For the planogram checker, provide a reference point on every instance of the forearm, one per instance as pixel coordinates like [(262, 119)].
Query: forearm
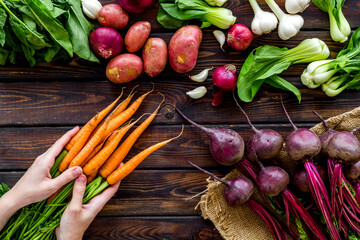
[(9, 204)]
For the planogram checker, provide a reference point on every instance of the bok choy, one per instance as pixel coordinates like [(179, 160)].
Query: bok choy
[(265, 63), (177, 13)]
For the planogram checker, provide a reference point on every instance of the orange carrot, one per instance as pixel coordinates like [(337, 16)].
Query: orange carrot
[(91, 177), (100, 116), (89, 147), (86, 131), (121, 172), (95, 163), (118, 156), (123, 105), (119, 120)]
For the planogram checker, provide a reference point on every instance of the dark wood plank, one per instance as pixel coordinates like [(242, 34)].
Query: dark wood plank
[(209, 55), (149, 192), (20, 146), (161, 228), (74, 103)]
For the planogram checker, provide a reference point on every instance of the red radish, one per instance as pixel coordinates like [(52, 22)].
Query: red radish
[(224, 78), (135, 6), (301, 145), (238, 191), (226, 145), (113, 16), (239, 37), (264, 144), (106, 42)]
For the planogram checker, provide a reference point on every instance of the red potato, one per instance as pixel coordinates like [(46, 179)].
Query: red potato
[(184, 47), (113, 16), (154, 56), (124, 68), (137, 35)]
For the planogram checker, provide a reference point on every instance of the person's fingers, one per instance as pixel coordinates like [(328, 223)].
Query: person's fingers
[(98, 202), (66, 177), (58, 146), (78, 194)]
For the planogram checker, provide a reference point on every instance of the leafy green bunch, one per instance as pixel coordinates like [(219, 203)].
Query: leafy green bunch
[(43, 29)]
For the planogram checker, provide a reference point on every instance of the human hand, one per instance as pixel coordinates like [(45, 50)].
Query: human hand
[(36, 184), (78, 217)]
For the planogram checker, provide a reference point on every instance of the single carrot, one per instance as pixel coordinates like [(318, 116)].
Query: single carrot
[(85, 133), (120, 119), (89, 147), (123, 105), (118, 156), (95, 163), (91, 177), (94, 121), (121, 172)]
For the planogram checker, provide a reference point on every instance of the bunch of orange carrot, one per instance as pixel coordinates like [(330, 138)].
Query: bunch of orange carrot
[(97, 149)]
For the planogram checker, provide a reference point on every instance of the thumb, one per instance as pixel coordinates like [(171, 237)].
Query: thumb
[(67, 176), (78, 193)]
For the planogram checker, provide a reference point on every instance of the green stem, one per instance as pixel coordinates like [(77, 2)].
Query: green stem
[(54, 169)]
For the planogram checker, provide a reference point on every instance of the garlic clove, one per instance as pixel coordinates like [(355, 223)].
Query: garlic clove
[(91, 8), (202, 76), (220, 37), (197, 93)]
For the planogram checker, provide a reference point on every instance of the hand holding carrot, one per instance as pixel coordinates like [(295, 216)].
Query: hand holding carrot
[(36, 184), (77, 217)]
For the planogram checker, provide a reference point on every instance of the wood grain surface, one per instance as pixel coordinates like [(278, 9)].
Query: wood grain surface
[(39, 104)]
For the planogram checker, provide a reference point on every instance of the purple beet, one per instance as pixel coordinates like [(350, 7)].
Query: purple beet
[(273, 180), (226, 145), (352, 172), (300, 180), (302, 145), (263, 144), (237, 190), (344, 147), (327, 135)]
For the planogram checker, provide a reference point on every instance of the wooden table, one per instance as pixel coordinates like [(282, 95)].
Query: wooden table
[(37, 105)]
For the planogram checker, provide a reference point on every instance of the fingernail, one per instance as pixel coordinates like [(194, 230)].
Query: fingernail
[(81, 179), (77, 171)]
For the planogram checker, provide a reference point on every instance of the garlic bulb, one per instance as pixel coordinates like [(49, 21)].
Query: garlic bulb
[(91, 8), (220, 37), (202, 76), (296, 6), (263, 22), (197, 92), (289, 25)]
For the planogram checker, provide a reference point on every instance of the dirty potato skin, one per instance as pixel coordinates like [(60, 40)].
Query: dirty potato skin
[(154, 56), (136, 36), (124, 68), (184, 47)]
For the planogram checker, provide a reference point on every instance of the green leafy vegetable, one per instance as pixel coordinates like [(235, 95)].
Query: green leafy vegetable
[(176, 13), (42, 30), (264, 64), (337, 74), (339, 26)]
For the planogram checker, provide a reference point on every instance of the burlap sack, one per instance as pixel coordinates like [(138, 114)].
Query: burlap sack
[(240, 223)]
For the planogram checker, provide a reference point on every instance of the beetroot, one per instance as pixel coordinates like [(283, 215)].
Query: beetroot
[(300, 180), (353, 171), (344, 147), (301, 145), (226, 145), (263, 144), (239, 37), (273, 180)]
